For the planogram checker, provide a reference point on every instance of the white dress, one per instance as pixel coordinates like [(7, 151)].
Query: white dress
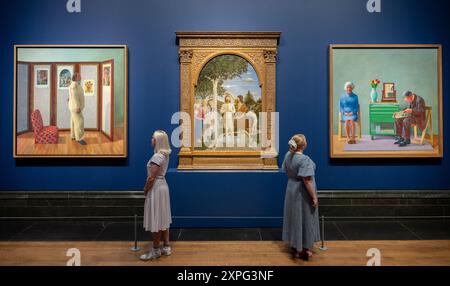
[(157, 215)]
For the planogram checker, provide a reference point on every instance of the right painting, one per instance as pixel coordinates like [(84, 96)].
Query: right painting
[(385, 101)]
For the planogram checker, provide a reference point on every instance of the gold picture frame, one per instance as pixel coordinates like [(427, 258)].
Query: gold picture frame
[(25, 142), (433, 135), (197, 49), (389, 92)]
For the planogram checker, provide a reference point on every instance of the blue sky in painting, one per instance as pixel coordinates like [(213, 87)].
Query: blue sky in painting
[(241, 85)]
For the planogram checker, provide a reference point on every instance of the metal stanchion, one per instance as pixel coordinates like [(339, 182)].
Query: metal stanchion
[(135, 247), (323, 247)]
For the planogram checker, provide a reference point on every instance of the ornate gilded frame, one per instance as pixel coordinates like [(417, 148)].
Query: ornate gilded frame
[(196, 49)]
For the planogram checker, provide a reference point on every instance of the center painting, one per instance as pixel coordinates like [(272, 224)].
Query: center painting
[(228, 91), (228, 100)]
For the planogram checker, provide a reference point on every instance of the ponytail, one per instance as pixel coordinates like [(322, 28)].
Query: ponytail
[(297, 142)]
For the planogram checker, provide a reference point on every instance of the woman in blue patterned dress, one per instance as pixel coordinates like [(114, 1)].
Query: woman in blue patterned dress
[(301, 214)]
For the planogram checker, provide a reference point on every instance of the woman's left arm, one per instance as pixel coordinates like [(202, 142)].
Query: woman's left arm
[(342, 105), (154, 170), (309, 184), (357, 105)]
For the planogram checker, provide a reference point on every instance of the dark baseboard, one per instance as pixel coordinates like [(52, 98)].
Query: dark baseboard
[(385, 203), (121, 205)]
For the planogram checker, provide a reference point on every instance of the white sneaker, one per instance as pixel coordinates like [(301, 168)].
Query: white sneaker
[(151, 255), (166, 250)]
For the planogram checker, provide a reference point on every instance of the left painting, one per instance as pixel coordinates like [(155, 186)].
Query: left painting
[(70, 101)]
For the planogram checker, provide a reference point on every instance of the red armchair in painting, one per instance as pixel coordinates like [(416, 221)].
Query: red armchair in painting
[(43, 134)]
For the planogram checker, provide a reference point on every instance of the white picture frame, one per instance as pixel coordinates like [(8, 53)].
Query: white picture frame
[(64, 77), (89, 87), (42, 77)]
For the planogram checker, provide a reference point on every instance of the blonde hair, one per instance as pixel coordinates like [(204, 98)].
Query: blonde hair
[(162, 142), (300, 141)]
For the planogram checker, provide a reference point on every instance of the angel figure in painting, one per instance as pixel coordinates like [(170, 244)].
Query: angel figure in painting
[(253, 128), (241, 120)]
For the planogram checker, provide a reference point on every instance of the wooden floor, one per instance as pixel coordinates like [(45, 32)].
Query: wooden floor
[(97, 144), (234, 253)]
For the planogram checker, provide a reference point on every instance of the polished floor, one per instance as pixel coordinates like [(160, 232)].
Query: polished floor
[(419, 242), (227, 253)]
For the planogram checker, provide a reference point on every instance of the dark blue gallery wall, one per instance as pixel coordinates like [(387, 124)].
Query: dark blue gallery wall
[(227, 199), (148, 27)]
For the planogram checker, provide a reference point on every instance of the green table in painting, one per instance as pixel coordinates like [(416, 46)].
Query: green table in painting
[(381, 119)]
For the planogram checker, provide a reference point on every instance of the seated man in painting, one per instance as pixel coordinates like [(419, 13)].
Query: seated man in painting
[(415, 115)]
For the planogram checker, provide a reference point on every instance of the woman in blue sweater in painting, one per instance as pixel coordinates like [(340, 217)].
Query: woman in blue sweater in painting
[(349, 107)]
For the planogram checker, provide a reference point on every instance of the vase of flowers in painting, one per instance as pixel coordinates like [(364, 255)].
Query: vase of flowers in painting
[(374, 94)]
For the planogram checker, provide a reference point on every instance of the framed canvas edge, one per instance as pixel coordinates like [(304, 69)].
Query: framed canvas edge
[(383, 154), (124, 155)]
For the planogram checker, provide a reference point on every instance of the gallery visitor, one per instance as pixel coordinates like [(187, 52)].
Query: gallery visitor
[(301, 215), (414, 115), (76, 106), (157, 214), (349, 107)]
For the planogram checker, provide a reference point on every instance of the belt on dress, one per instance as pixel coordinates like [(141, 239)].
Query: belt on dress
[(160, 177)]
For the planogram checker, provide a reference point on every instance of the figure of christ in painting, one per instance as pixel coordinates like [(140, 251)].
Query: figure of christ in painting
[(227, 111)]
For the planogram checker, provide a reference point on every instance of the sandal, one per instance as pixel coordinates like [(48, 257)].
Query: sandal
[(303, 255)]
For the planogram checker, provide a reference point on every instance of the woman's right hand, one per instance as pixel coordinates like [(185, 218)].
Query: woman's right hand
[(146, 189), (315, 202)]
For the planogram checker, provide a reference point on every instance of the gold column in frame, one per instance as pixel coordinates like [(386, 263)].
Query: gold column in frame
[(185, 102)]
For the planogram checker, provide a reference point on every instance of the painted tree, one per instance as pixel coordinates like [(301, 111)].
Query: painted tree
[(249, 99), (252, 104), (218, 70), (204, 88)]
